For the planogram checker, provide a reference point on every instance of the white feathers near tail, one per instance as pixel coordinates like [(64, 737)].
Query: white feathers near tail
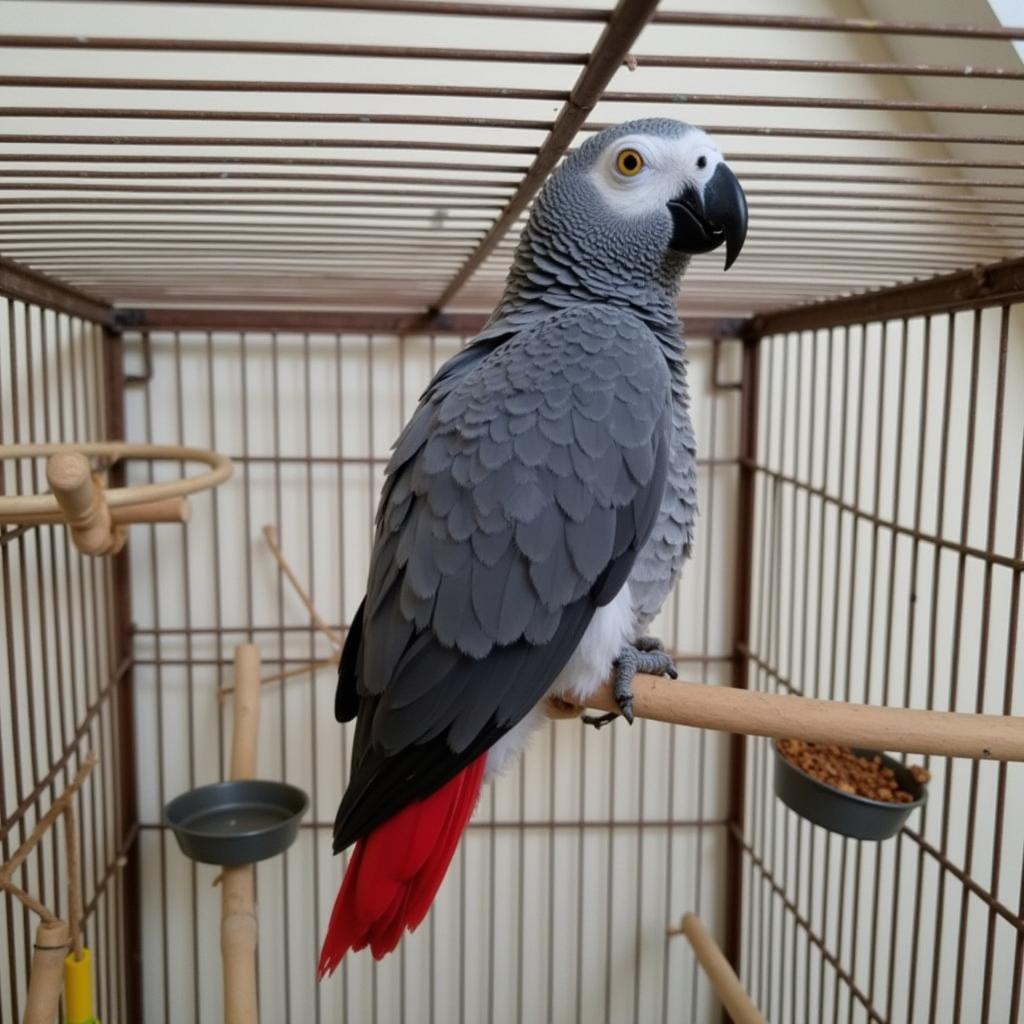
[(611, 628)]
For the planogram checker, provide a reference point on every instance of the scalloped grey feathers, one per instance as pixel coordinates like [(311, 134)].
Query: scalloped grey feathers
[(505, 493), (516, 502)]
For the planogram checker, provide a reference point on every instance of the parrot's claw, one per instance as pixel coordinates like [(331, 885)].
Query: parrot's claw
[(646, 655), (599, 721)]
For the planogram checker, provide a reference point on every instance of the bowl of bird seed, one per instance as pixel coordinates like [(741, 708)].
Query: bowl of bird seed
[(858, 793)]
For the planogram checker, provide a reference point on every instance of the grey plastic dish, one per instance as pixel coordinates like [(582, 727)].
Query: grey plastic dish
[(846, 813), (231, 823)]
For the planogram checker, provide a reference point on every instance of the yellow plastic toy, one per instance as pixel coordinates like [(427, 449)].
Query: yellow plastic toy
[(78, 989)]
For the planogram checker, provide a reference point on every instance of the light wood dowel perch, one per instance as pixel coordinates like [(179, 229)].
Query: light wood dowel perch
[(727, 986), (97, 516), (725, 708), (46, 980), (80, 496), (168, 510), (238, 929)]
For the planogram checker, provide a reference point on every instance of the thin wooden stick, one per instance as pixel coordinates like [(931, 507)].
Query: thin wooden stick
[(723, 978), (238, 927), (335, 638), (74, 878), (56, 810), (28, 901), (46, 976), (270, 535), (946, 733)]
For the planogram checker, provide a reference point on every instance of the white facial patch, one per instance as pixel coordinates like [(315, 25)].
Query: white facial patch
[(669, 166)]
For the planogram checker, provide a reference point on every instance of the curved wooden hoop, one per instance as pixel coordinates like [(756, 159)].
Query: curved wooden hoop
[(120, 497)]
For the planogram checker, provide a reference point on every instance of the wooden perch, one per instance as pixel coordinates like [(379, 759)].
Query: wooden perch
[(46, 976), (168, 510), (730, 709), (727, 709), (97, 516), (238, 927), (723, 978), (80, 496)]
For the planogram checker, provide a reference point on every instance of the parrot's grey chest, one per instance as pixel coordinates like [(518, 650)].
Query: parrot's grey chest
[(658, 564)]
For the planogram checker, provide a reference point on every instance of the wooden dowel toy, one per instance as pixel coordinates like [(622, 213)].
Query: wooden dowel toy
[(238, 932), (42, 1001), (727, 709), (723, 978), (81, 500)]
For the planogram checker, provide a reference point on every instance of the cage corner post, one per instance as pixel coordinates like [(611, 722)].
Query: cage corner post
[(123, 657), (742, 597)]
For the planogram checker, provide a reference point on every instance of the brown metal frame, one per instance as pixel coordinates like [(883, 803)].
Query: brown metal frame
[(127, 806)]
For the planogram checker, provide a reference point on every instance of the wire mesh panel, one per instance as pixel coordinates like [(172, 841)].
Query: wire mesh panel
[(576, 862), (60, 664), (888, 534)]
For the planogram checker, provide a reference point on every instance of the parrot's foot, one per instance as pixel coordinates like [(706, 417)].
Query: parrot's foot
[(648, 643), (645, 655)]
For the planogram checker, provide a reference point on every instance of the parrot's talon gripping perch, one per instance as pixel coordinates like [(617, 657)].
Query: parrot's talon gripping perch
[(646, 654)]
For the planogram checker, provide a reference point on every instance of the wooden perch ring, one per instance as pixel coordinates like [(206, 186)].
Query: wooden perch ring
[(94, 515)]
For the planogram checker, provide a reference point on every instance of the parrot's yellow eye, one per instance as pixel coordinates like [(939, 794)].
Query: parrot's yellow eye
[(629, 163)]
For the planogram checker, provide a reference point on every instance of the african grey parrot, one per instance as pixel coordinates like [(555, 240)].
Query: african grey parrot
[(535, 513)]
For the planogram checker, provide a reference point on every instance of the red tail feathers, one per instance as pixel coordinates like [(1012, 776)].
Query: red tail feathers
[(396, 870)]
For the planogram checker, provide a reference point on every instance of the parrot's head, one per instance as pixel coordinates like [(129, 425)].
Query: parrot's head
[(638, 200)]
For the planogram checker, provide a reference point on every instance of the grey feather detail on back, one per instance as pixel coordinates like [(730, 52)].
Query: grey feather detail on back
[(569, 432), (513, 496)]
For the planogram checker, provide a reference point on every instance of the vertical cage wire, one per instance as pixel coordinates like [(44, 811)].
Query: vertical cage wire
[(60, 662), (888, 533), (635, 818)]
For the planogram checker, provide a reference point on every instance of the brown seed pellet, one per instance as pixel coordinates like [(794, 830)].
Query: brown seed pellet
[(842, 769)]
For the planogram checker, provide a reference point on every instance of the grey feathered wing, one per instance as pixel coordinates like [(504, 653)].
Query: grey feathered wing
[(515, 504)]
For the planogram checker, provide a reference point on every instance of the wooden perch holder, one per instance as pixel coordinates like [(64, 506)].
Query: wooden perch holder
[(80, 496), (238, 927), (95, 516), (727, 986), (728, 709), (46, 979)]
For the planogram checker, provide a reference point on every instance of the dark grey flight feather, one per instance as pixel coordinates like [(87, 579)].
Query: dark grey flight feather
[(516, 502)]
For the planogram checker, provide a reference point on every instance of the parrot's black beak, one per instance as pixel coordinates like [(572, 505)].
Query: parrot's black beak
[(702, 223)]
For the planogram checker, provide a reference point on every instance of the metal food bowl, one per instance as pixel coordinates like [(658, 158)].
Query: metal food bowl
[(229, 823), (846, 813)]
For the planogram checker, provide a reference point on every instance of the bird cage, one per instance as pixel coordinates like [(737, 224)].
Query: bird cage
[(246, 233)]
